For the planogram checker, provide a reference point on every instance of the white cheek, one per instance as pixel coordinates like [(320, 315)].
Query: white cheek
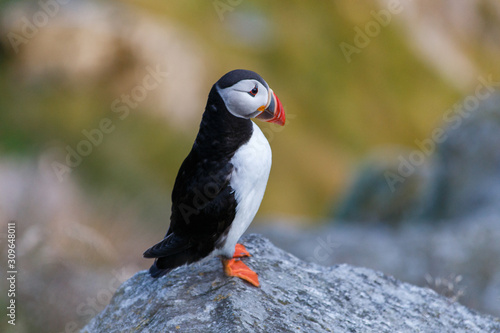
[(240, 103)]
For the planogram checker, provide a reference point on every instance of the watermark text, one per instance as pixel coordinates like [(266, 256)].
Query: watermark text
[(11, 272)]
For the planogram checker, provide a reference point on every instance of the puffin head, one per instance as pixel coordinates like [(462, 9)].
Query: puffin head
[(247, 95)]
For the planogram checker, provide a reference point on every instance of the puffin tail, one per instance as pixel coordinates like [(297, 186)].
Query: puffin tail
[(171, 252), (156, 272)]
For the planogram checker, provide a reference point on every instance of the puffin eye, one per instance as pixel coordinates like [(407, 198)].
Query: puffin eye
[(254, 91)]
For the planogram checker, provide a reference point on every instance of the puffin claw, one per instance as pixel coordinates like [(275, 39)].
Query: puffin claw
[(240, 251), (236, 267)]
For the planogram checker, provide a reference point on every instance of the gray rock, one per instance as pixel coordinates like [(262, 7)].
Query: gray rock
[(375, 197), (294, 296), (460, 260), (443, 200), (443, 178), (466, 179)]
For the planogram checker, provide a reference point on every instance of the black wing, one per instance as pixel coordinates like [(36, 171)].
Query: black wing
[(203, 208), (203, 202)]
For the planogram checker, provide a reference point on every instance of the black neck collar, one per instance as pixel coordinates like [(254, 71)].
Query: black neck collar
[(221, 133)]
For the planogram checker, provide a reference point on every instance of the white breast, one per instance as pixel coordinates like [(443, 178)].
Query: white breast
[(252, 164)]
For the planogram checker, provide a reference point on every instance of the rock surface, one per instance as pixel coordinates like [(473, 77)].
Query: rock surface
[(295, 296), (460, 260), (444, 209)]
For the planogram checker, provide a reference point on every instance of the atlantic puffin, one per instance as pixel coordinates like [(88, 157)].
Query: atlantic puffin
[(221, 183)]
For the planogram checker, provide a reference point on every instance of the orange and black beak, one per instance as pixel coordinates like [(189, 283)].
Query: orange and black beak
[(273, 112)]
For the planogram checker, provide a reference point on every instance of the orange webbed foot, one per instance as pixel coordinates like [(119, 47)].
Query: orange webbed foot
[(236, 267), (240, 251)]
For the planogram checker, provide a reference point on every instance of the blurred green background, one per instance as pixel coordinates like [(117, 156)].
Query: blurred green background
[(64, 64)]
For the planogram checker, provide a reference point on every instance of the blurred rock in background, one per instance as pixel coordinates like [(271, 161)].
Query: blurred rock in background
[(87, 43), (63, 249), (449, 176), (446, 34), (387, 189), (466, 180)]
